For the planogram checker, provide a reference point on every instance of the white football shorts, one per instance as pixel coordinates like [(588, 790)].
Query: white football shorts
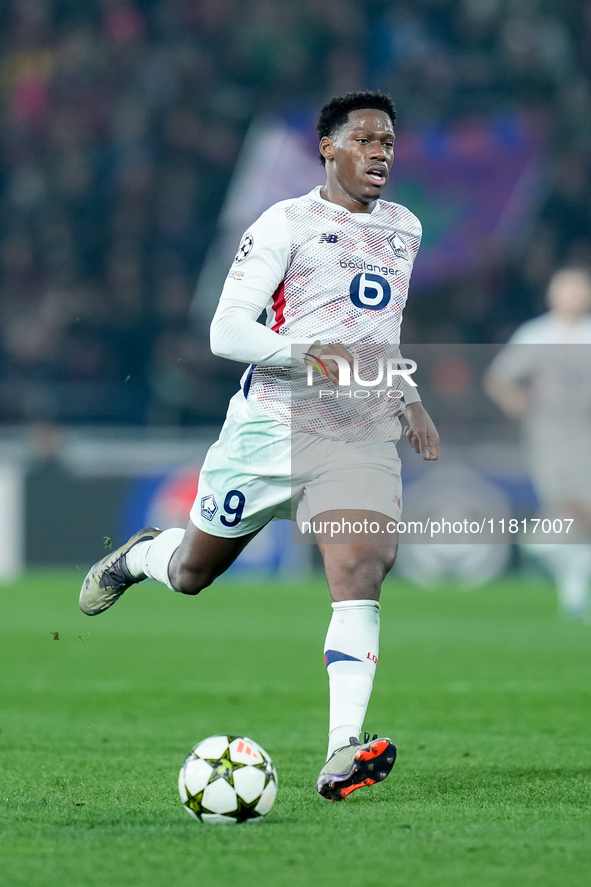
[(259, 470)]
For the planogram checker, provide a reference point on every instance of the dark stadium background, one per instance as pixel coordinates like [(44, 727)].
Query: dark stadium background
[(138, 139), (122, 125)]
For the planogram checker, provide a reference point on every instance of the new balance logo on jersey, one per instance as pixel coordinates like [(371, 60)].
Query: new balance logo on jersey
[(328, 238)]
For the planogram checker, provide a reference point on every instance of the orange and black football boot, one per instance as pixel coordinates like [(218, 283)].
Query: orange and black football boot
[(355, 766)]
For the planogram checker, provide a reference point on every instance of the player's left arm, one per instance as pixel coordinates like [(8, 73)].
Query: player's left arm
[(421, 432)]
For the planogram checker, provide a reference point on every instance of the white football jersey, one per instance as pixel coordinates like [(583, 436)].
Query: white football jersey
[(554, 359), (325, 274), (547, 329)]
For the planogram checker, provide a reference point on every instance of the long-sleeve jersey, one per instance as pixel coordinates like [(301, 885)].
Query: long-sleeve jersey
[(322, 274)]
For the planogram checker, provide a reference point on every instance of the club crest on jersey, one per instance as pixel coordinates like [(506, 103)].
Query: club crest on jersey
[(328, 238), (245, 248), (398, 246), (209, 507)]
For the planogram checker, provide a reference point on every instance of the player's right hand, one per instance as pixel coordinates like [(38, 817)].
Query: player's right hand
[(332, 368)]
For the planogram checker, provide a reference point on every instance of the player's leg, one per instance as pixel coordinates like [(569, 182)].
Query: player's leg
[(572, 573), (235, 500), (574, 580), (192, 565), (561, 478), (351, 504), (184, 560), (354, 571), (570, 566), (201, 558)]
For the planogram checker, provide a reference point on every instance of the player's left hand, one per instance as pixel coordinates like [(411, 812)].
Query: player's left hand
[(421, 432)]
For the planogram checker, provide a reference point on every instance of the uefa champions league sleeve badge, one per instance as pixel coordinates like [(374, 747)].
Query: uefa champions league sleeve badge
[(245, 248)]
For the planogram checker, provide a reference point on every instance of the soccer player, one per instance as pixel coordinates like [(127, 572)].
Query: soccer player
[(331, 269), (543, 375)]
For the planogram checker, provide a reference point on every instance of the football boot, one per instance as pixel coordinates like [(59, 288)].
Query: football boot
[(355, 766), (109, 578)]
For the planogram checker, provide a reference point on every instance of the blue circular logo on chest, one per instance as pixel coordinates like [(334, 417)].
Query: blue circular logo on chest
[(370, 291)]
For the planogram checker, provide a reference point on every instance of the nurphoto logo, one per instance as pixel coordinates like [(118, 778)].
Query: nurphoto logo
[(391, 368)]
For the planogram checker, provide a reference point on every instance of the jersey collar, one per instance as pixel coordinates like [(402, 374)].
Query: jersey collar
[(315, 195)]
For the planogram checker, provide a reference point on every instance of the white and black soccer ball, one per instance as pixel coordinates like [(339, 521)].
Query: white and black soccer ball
[(228, 779)]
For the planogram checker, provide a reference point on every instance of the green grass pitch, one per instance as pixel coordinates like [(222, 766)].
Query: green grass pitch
[(485, 693)]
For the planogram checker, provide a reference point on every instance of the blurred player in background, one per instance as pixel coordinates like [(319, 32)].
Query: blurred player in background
[(330, 267), (543, 378)]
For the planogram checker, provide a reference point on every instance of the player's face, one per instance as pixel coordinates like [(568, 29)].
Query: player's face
[(569, 294), (358, 159)]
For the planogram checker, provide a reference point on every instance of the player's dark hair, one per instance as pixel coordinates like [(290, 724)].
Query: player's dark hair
[(336, 111)]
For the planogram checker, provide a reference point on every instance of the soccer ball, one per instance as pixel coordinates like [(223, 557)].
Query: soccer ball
[(228, 779)]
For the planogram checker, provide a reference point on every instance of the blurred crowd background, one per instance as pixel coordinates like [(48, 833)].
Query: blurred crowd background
[(122, 122)]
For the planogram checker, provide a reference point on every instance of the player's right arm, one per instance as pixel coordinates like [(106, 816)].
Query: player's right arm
[(506, 379), (254, 285)]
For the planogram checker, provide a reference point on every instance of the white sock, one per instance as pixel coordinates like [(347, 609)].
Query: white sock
[(570, 565), (350, 655), (152, 557), (572, 575)]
